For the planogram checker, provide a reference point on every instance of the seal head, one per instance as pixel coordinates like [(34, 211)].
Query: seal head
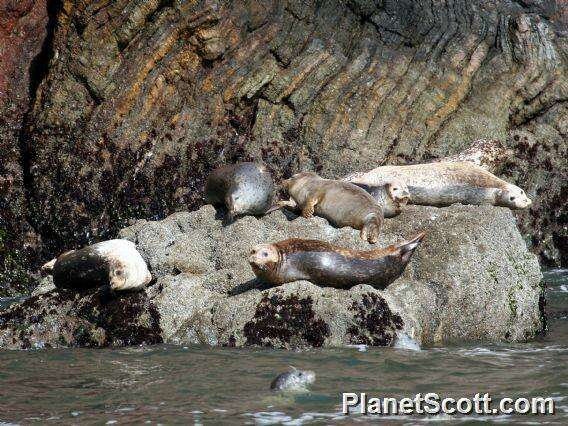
[(293, 380), (391, 196), (513, 197)]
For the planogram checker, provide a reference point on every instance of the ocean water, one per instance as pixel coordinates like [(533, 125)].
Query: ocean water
[(201, 385)]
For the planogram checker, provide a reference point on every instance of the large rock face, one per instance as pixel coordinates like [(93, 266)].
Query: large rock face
[(471, 279), (142, 98), (23, 30)]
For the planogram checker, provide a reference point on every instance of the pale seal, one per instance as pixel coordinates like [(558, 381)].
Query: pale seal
[(341, 203), (243, 188), (113, 263), (444, 183), (327, 265)]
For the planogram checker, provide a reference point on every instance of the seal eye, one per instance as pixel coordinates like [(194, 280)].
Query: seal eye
[(395, 189), (264, 254), (512, 198)]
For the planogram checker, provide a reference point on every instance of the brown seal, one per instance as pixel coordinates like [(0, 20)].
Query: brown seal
[(327, 265), (244, 188), (444, 183), (341, 203)]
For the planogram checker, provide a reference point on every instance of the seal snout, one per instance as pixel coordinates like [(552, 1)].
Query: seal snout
[(262, 254)]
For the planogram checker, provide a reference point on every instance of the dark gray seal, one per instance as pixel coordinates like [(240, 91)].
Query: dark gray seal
[(293, 380), (243, 188)]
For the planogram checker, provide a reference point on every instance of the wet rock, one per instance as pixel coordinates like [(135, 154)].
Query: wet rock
[(472, 279), (92, 319)]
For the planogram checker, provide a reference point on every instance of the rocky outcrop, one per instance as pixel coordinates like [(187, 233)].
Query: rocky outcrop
[(472, 279), (142, 98), (23, 30)]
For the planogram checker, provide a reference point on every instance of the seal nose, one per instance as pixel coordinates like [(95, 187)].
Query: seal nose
[(252, 256)]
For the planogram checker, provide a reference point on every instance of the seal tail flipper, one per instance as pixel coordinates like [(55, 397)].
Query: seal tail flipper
[(47, 268), (408, 247)]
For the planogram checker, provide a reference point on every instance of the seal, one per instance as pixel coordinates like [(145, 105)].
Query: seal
[(391, 196), (486, 153), (327, 265), (341, 203), (293, 379), (113, 263), (243, 188), (444, 183)]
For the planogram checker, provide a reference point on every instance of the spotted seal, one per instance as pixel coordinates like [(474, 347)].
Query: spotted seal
[(391, 196), (293, 379), (444, 183), (243, 188), (327, 265)]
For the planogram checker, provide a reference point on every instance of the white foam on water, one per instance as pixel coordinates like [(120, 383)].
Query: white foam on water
[(360, 348), (404, 341), (482, 352)]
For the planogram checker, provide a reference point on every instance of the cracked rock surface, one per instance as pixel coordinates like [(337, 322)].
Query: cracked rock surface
[(472, 279)]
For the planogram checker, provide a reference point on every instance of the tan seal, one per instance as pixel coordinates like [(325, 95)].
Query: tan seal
[(444, 183), (327, 265), (341, 203)]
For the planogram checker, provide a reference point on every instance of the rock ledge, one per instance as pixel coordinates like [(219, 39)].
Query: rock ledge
[(471, 279)]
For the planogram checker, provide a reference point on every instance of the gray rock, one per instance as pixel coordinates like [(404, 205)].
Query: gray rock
[(471, 279)]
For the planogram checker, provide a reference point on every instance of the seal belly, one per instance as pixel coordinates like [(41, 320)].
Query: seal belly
[(335, 270), (450, 194), (343, 208)]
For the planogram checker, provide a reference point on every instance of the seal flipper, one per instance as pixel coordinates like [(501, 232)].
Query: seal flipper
[(371, 228), (407, 248), (283, 204), (47, 268), (231, 215)]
